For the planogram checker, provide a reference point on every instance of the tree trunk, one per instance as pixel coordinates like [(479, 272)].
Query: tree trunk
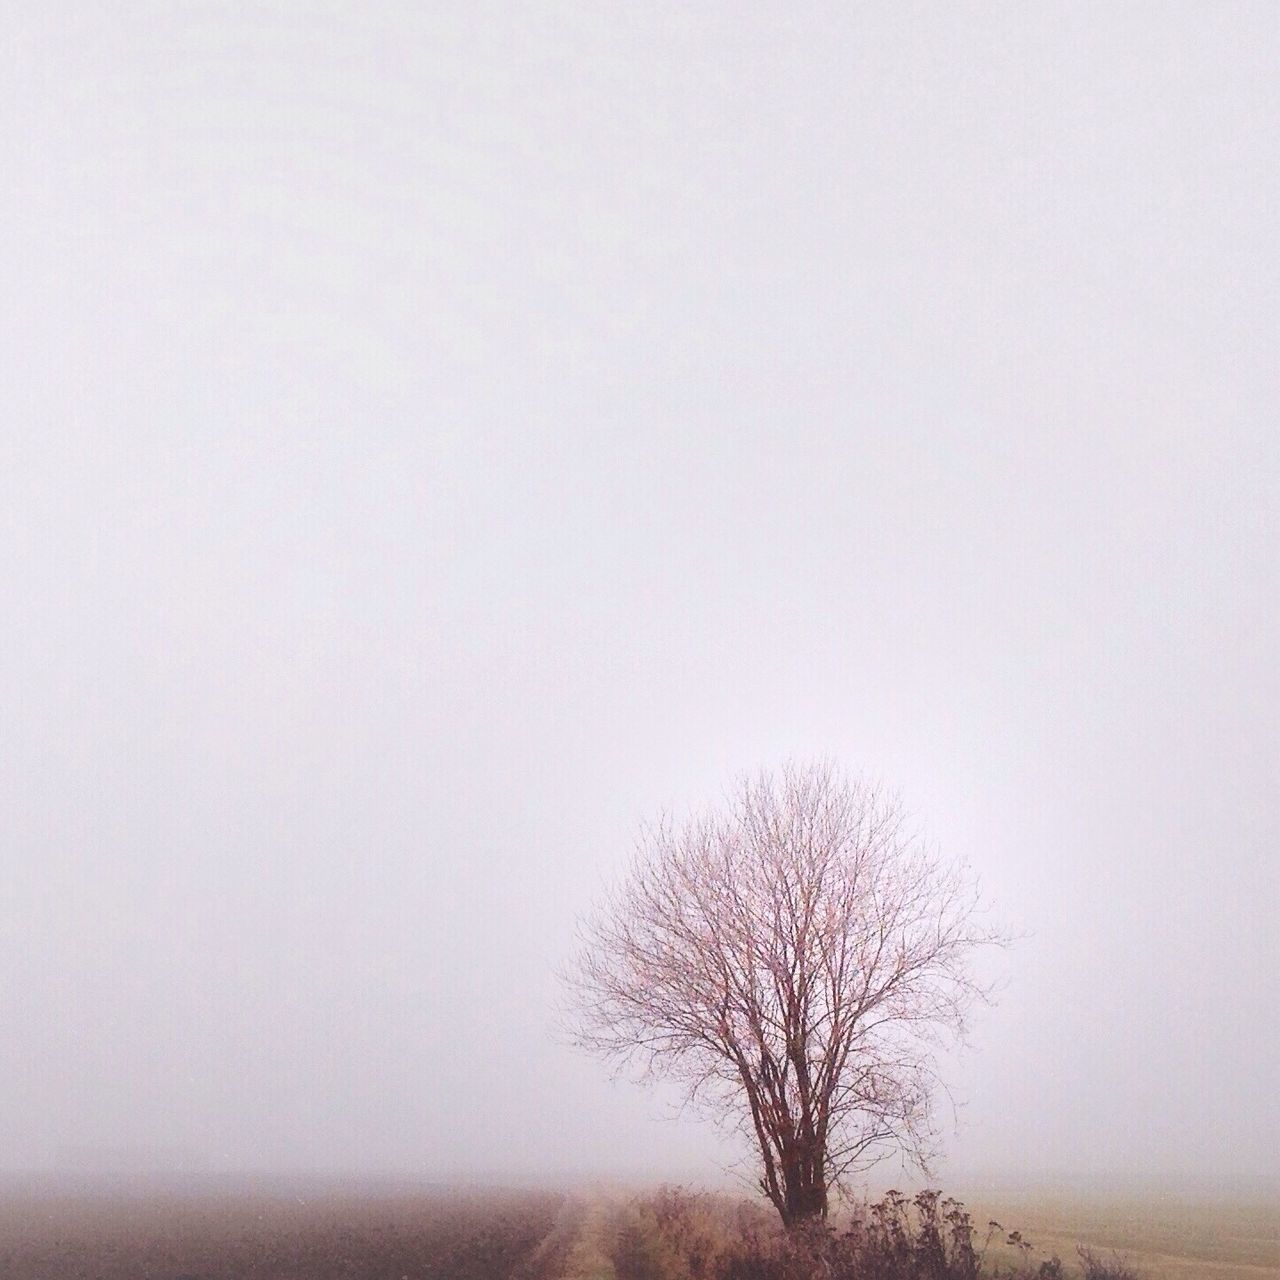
[(806, 1201)]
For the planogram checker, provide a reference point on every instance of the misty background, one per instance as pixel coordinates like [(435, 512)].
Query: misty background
[(434, 439)]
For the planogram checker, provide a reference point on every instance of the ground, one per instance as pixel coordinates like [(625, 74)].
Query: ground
[(1164, 1236), (503, 1235)]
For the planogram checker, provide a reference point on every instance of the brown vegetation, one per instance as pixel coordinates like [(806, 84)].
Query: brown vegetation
[(674, 1235), (422, 1237)]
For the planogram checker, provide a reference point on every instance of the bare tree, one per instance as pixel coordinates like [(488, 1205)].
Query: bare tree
[(796, 960)]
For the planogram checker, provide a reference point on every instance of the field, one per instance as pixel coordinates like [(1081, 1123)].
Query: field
[(439, 1236), (1164, 1237), (268, 1233), (1149, 1236)]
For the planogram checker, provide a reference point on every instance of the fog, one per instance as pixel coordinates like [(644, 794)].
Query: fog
[(437, 438)]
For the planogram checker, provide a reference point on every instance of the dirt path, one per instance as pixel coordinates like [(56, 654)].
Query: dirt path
[(574, 1248), (587, 1258)]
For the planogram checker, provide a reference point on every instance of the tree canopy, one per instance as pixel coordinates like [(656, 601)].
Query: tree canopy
[(796, 958)]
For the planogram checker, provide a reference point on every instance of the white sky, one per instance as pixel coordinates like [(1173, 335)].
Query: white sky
[(434, 438)]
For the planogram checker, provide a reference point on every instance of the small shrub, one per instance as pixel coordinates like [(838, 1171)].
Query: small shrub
[(677, 1236), (1095, 1267)]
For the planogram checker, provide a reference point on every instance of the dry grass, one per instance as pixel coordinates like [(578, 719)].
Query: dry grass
[(1162, 1237), (673, 1236)]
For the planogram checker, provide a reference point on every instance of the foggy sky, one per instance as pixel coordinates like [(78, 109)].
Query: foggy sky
[(436, 438)]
